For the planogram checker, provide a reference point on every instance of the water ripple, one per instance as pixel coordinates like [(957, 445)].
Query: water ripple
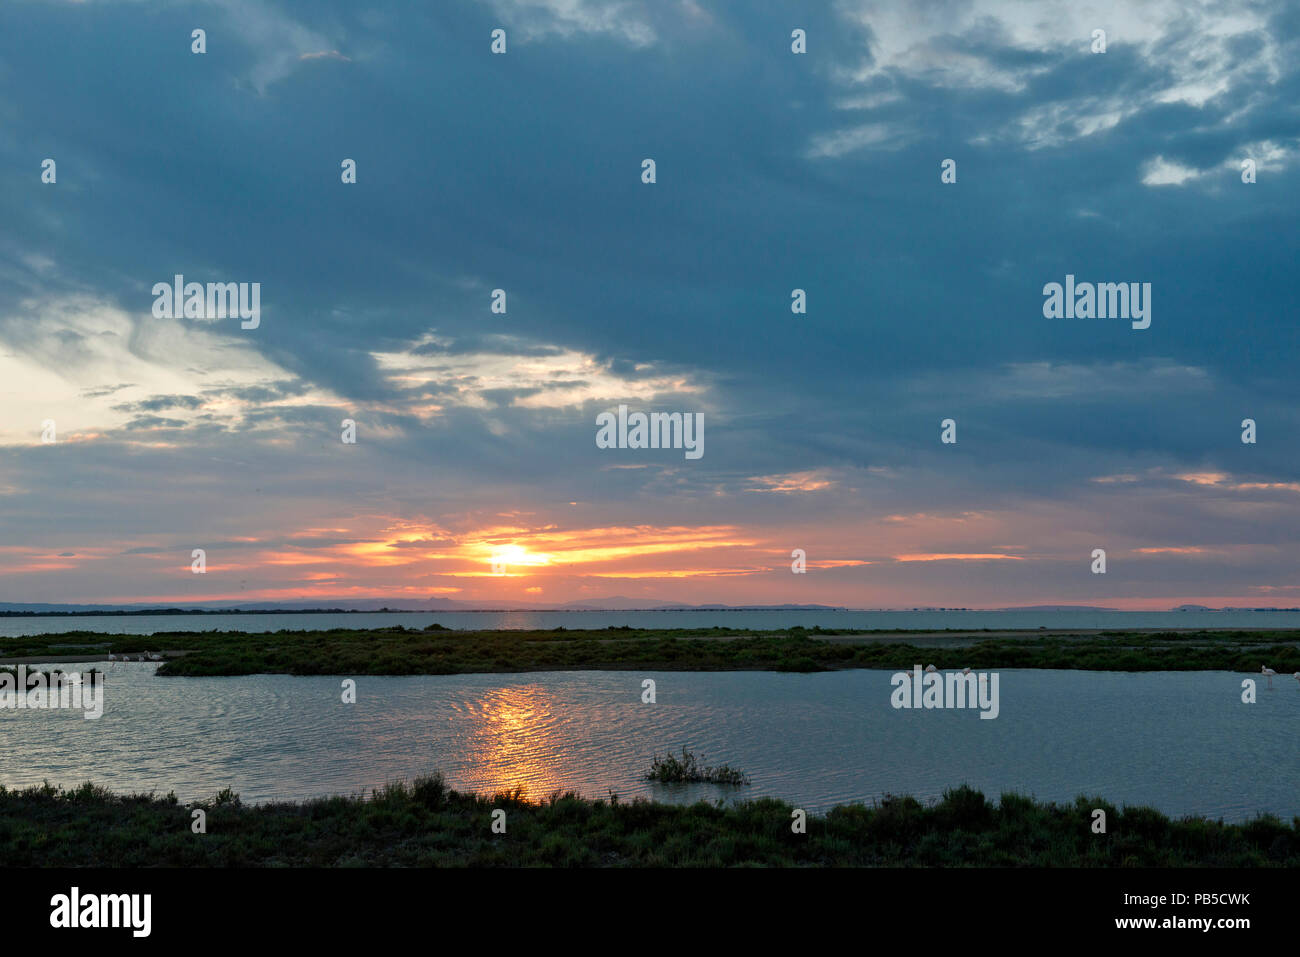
[(1181, 741)]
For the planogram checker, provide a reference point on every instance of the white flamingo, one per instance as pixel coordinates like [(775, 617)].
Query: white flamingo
[(965, 671), (113, 658), (154, 656), (1268, 673), (141, 658), (1296, 676), (930, 669)]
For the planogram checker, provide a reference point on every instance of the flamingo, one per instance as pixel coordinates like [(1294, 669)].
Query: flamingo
[(930, 669), (113, 658), (965, 671), (141, 658), (1268, 673), (154, 656), (1296, 676)]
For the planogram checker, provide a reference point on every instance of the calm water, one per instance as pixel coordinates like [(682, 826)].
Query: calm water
[(149, 624), (1180, 741)]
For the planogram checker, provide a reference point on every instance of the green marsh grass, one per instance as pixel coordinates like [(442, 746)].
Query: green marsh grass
[(428, 824), (437, 650)]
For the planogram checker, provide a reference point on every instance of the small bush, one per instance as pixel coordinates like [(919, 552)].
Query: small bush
[(430, 791), (686, 769)]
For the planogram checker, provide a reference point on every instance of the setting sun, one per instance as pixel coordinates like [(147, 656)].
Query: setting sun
[(515, 555)]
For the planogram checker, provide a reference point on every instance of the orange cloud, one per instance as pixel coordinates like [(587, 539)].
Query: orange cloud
[(812, 481), (971, 557)]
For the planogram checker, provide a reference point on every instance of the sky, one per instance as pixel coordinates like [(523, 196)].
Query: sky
[(476, 431)]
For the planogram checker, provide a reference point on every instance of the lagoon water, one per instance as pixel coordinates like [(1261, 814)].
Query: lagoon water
[(1180, 741), (740, 618)]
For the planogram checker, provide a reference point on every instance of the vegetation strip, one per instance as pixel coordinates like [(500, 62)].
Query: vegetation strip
[(428, 824), (436, 650)]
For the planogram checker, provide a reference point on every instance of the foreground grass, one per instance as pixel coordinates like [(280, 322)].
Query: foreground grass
[(404, 651), (427, 824)]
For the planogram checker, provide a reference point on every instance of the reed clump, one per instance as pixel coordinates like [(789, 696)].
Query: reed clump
[(687, 769)]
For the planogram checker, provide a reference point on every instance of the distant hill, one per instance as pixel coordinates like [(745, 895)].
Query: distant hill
[(614, 603), (611, 603), (1056, 608)]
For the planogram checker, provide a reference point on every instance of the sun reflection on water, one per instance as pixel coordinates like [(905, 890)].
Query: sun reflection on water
[(511, 741)]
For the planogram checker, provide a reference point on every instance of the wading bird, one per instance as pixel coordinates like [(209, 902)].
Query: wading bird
[(930, 669), (1268, 673)]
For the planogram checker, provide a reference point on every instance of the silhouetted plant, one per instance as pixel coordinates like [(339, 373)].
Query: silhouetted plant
[(686, 769)]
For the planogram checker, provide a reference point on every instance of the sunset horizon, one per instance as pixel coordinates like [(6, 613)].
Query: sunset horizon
[(662, 368)]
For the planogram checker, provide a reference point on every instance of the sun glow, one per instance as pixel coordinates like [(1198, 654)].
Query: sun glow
[(512, 555)]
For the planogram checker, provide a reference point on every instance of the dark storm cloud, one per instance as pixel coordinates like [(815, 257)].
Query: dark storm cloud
[(774, 172)]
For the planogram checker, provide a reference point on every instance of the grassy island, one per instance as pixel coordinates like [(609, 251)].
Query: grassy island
[(437, 650)]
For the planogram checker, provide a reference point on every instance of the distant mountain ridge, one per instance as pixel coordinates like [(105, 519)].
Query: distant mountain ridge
[(612, 603)]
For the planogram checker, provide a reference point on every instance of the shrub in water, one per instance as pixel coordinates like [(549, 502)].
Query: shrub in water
[(671, 769)]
